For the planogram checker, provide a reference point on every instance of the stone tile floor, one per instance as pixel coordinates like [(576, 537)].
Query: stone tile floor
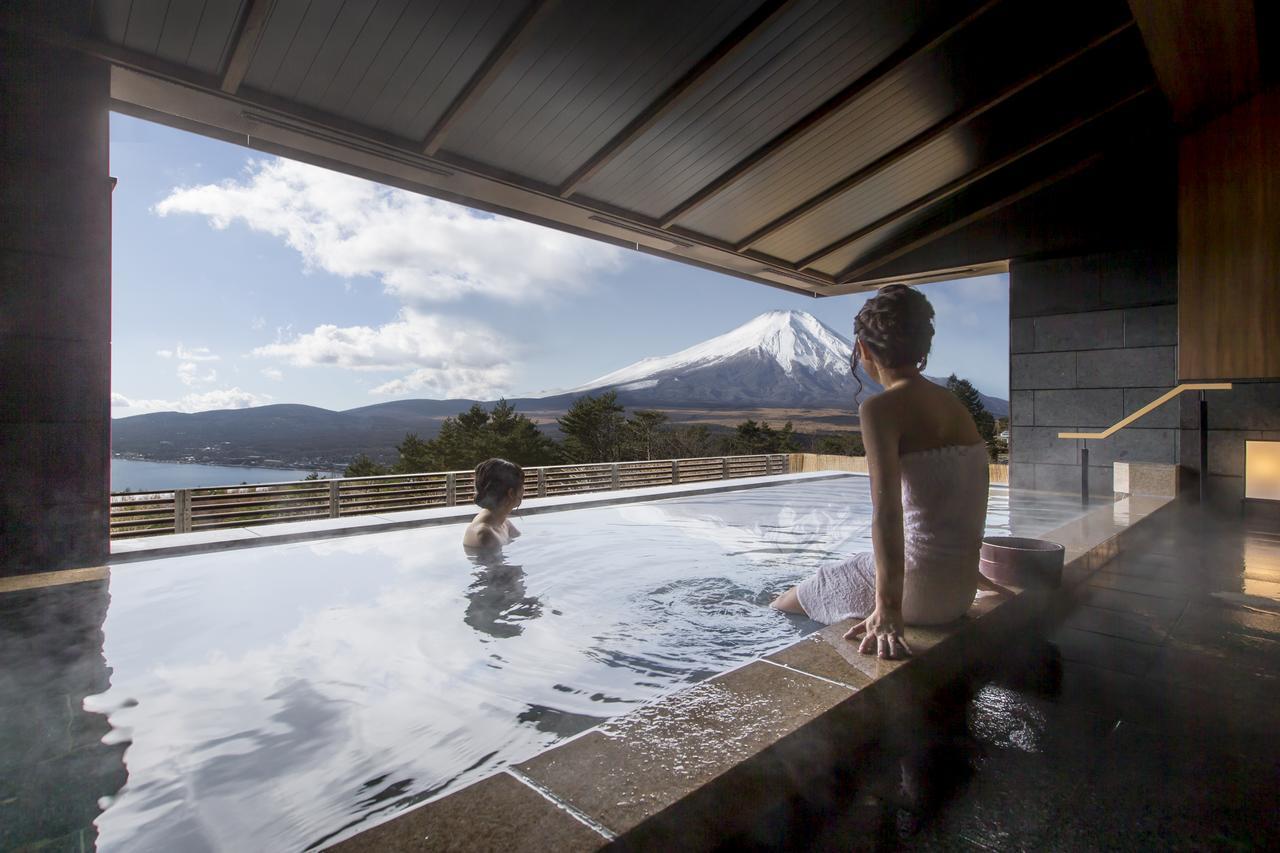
[(1145, 722)]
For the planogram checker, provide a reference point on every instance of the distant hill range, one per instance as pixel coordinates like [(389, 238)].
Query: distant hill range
[(782, 365)]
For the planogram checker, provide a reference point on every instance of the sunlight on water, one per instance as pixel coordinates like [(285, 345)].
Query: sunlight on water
[(284, 696)]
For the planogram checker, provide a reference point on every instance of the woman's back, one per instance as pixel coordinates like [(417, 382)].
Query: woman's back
[(928, 416), (943, 467)]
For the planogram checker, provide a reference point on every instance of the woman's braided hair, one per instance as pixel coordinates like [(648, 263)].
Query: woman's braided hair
[(897, 325)]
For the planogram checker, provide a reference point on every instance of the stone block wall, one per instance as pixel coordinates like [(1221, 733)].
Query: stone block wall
[(1092, 339), (55, 307), (1250, 411)]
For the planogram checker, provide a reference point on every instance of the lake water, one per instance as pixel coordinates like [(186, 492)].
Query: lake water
[(147, 476)]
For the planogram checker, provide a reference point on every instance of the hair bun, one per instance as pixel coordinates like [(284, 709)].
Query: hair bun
[(897, 325)]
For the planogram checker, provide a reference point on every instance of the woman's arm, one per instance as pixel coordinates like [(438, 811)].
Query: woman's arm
[(884, 628)]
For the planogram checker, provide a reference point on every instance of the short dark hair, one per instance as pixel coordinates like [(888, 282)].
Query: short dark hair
[(494, 478)]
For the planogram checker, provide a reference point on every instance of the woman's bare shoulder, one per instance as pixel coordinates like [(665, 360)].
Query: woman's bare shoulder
[(480, 534), (880, 403)]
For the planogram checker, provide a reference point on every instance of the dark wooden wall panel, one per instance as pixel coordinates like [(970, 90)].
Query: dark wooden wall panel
[(1229, 245), (1204, 52)]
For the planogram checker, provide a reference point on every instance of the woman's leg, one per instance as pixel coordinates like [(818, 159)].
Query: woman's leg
[(789, 602)]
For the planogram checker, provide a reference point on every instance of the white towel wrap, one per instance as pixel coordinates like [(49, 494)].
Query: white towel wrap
[(944, 506)]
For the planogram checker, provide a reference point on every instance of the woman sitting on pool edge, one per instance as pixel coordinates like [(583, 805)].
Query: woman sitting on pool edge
[(499, 490), (928, 467)]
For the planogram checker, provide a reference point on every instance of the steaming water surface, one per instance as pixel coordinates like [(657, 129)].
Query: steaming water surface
[(280, 697)]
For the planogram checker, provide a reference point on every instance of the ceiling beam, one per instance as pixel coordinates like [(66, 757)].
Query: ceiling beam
[(918, 45), (498, 59), (741, 37), (245, 43), (853, 274), (920, 141), (366, 141), (967, 180)]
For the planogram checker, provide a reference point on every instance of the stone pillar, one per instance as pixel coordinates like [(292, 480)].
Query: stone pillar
[(55, 308)]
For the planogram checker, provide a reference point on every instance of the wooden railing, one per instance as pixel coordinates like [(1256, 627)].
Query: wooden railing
[(187, 510), (801, 462)]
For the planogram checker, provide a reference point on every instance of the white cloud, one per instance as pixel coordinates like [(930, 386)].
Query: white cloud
[(258, 323), (272, 373), (194, 354), (446, 357), (220, 398), (420, 248), (189, 374), (444, 384)]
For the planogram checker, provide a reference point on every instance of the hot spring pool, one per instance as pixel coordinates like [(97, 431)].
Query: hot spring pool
[(285, 697)]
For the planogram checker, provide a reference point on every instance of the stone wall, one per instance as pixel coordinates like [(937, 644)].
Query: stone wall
[(55, 308), (1092, 339), (1249, 411)]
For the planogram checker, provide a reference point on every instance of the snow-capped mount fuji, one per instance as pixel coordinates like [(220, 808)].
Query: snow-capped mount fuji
[(781, 365), (780, 359)]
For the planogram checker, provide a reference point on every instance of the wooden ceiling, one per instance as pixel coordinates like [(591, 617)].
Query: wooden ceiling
[(800, 143)]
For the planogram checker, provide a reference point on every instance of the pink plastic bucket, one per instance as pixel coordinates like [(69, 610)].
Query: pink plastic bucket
[(1028, 563)]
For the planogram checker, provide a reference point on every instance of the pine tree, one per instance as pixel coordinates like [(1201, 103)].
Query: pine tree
[(967, 394), (363, 466), (474, 436), (751, 438), (416, 455), (843, 444), (687, 442), (644, 434), (972, 400), (594, 429), (515, 437)]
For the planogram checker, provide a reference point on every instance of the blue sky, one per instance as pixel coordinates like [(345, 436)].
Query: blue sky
[(243, 279)]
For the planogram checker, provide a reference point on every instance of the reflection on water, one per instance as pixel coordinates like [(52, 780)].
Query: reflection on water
[(496, 600), (286, 696), (58, 762)]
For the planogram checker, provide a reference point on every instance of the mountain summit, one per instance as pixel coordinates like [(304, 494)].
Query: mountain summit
[(780, 358), (786, 359), (793, 340)]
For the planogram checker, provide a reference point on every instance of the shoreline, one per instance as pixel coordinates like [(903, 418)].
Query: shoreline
[(309, 468)]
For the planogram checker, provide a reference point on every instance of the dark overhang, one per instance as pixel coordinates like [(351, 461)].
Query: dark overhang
[(808, 144)]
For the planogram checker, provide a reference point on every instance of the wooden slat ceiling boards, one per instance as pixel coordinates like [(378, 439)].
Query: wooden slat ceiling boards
[(804, 144)]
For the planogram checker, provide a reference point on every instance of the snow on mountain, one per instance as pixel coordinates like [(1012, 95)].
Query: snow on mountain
[(778, 359), (792, 339)]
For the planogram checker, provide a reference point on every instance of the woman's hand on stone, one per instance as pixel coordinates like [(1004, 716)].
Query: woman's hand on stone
[(883, 634)]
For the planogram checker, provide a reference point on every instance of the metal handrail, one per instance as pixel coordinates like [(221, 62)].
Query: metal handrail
[(1147, 409)]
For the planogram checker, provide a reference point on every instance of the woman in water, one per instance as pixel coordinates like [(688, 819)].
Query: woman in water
[(928, 467), (499, 490)]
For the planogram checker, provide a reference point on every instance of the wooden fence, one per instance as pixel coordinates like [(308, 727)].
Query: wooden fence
[(186, 510), (800, 462)]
